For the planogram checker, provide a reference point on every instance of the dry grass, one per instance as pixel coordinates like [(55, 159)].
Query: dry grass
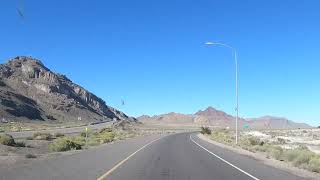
[(300, 156)]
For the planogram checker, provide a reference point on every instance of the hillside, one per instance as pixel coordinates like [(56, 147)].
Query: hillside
[(29, 91)]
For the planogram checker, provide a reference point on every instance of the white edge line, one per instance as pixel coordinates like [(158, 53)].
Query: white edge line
[(224, 160)]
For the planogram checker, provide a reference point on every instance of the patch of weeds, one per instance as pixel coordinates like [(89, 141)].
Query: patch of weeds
[(57, 135), (107, 129), (42, 136), (281, 141), (276, 152), (88, 133), (64, 144), (223, 136), (29, 138), (106, 137), (7, 140), (205, 130), (20, 144), (255, 141), (314, 165), (30, 156)]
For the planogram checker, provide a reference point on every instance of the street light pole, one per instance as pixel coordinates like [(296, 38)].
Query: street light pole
[(237, 85)]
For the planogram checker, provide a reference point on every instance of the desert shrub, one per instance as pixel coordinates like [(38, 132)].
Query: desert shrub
[(281, 140), (255, 141), (107, 129), (299, 156), (106, 137), (314, 164), (64, 144), (205, 130), (263, 148), (57, 135), (78, 139), (276, 152), (42, 136), (304, 156), (29, 138), (90, 132), (222, 135), (30, 156), (20, 144), (291, 154), (7, 140)]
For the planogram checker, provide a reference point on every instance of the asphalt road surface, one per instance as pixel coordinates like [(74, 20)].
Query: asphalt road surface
[(174, 157)]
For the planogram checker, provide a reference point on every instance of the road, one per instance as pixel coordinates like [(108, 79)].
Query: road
[(71, 130), (174, 157)]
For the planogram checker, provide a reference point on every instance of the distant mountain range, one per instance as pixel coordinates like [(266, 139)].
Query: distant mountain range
[(30, 92), (217, 118)]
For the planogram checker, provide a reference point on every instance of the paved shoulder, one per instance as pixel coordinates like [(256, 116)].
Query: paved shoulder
[(244, 163), (85, 165)]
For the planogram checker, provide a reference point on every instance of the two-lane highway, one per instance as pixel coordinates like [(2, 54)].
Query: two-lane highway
[(186, 157), (174, 157)]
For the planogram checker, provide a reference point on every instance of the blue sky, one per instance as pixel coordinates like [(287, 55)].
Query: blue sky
[(151, 53)]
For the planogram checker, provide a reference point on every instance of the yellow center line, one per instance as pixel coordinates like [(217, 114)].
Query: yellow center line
[(126, 159)]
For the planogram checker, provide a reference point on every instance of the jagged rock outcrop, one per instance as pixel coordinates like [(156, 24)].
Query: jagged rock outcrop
[(28, 87)]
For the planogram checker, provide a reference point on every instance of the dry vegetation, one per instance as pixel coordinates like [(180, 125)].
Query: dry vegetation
[(291, 146), (18, 126), (42, 144)]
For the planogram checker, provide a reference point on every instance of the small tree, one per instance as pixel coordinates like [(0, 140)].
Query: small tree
[(205, 130)]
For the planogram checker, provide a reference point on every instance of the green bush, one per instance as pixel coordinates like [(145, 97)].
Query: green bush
[(30, 156), (255, 141), (314, 164), (64, 144), (7, 140), (303, 157), (106, 137), (107, 129), (57, 135), (89, 133), (291, 154), (79, 140), (42, 136), (222, 135), (281, 141), (29, 138), (263, 148), (205, 130), (20, 144), (276, 152)]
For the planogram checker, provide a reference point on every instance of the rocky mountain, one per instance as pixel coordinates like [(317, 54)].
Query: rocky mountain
[(29, 91), (217, 118), (170, 118), (273, 122)]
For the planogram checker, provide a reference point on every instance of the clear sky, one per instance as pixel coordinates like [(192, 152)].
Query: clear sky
[(151, 53)]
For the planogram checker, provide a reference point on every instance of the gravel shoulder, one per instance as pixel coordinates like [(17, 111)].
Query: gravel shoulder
[(261, 157)]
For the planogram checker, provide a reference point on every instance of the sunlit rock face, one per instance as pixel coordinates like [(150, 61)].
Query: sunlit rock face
[(53, 95)]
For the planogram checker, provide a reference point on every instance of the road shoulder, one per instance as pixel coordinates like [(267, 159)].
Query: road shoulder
[(260, 157)]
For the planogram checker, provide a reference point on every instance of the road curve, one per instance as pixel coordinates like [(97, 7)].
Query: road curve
[(173, 157), (177, 157)]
